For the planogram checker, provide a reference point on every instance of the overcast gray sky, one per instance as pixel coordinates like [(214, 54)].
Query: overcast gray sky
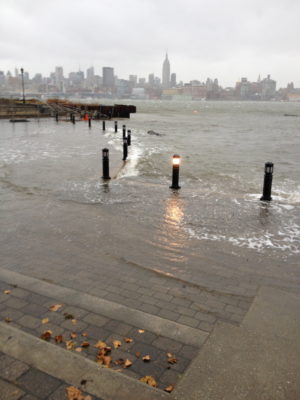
[(205, 38)]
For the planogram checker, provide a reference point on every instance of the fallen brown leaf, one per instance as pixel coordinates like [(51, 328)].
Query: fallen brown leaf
[(85, 344), (7, 319), (7, 292), (146, 358), (74, 321), (149, 380), (128, 340), (70, 344), (55, 307), (46, 335), (169, 388), (78, 349), (117, 344), (74, 393), (100, 345), (141, 331), (58, 338), (138, 354), (105, 360), (73, 335), (84, 334), (170, 355), (172, 360), (45, 320), (127, 363)]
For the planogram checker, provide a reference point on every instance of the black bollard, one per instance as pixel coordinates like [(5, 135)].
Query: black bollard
[(90, 123), (116, 126), (129, 137), (124, 131), (125, 148), (71, 117), (105, 164), (56, 117), (175, 175), (103, 125), (269, 166)]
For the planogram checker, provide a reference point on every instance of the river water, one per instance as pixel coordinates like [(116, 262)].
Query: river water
[(216, 218)]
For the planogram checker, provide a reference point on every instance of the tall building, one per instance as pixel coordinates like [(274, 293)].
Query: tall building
[(173, 79), (59, 75), (108, 76), (166, 73)]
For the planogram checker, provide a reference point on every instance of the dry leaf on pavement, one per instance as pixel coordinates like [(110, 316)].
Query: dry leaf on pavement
[(74, 321), (138, 354), (74, 393), (146, 358), (45, 320), (100, 345), (141, 331), (149, 380), (105, 360), (84, 334), (128, 340), (7, 292), (170, 355), (172, 360), (46, 335), (127, 363), (78, 349), (7, 319), (85, 344), (117, 344), (169, 388), (73, 335), (70, 344), (55, 307), (58, 338)]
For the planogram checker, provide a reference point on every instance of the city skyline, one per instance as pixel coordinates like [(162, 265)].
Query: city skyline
[(203, 38)]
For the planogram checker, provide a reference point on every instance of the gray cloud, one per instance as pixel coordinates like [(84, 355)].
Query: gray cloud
[(225, 39)]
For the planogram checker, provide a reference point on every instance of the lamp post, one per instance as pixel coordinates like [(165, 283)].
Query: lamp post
[(105, 163), (175, 174), (23, 90), (269, 167)]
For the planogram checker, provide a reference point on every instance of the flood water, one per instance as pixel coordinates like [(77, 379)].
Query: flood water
[(215, 222)]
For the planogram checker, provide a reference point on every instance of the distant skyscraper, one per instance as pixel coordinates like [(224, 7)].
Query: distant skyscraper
[(151, 80), (173, 79), (166, 73), (108, 76)]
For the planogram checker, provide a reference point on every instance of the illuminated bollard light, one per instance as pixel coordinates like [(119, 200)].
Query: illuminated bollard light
[(269, 167), (90, 123), (129, 137), (175, 174), (103, 125), (105, 163), (116, 126), (125, 148), (124, 131)]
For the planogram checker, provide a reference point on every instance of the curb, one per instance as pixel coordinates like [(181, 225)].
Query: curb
[(72, 368), (140, 319)]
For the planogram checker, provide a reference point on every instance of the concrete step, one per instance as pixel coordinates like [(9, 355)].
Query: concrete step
[(257, 361)]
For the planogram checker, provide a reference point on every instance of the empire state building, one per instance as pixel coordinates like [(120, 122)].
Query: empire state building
[(166, 73)]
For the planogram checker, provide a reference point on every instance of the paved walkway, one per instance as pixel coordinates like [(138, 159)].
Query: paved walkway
[(19, 381)]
